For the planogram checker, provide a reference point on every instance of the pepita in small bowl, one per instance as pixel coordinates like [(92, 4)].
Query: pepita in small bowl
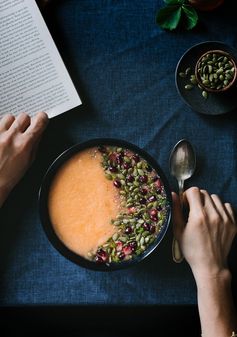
[(105, 204), (216, 71)]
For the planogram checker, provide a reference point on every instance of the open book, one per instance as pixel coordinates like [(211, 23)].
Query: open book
[(33, 76)]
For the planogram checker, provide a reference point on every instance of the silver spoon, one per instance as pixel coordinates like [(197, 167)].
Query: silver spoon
[(182, 166)]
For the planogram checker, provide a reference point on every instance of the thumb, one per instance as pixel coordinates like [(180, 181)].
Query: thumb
[(178, 219)]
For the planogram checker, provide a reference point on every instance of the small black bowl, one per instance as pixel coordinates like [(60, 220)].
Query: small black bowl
[(44, 213)]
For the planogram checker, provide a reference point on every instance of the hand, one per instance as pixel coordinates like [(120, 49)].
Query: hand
[(206, 238), (19, 139)]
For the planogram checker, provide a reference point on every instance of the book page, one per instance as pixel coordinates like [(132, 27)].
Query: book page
[(33, 76)]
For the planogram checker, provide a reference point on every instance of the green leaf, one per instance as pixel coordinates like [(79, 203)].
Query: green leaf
[(191, 17), (174, 2), (169, 17)]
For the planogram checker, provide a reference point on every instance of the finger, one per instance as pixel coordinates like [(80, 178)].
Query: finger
[(230, 212), (6, 122), (214, 213), (193, 198), (220, 207), (178, 220), (37, 126), (208, 203), (21, 123)]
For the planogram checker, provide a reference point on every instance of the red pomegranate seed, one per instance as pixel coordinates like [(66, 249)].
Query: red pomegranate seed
[(146, 226), (128, 230), (99, 259), (119, 246), (113, 169), (158, 183), (142, 201), (102, 254), (127, 250), (117, 183), (152, 229), (152, 198), (144, 191), (130, 178), (133, 245), (126, 166), (131, 210), (121, 255), (143, 179), (153, 212), (119, 158), (112, 158)]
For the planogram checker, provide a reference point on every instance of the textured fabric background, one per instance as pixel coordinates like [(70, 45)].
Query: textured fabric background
[(123, 66)]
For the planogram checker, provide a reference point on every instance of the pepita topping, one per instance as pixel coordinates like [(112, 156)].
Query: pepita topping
[(143, 205), (192, 82), (216, 71)]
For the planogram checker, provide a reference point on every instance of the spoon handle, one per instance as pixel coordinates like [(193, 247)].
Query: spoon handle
[(181, 191), (176, 251)]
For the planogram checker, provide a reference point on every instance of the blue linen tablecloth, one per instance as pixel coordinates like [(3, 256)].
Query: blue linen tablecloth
[(123, 67)]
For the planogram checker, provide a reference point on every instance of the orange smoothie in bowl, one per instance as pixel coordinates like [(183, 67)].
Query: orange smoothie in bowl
[(105, 206), (82, 203)]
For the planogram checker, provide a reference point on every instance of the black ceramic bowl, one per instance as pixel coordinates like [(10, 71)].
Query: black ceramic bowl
[(44, 212)]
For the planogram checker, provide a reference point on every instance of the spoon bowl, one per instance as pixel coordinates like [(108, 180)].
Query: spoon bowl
[(182, 166), (182, 160)]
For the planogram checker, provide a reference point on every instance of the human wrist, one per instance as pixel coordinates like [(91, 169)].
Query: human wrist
[(215, 303), (205, 279)]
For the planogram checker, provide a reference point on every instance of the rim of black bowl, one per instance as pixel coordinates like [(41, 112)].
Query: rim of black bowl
[(45, 218)]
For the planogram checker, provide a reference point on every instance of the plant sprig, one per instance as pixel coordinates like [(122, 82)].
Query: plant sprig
[(175, 11)]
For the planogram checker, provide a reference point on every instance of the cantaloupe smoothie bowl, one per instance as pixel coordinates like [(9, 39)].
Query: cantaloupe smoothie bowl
[(105, 204)]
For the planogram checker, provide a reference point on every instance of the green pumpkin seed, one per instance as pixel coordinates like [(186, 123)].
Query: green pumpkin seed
[(140, 172), (115, 236), (187, 71), (139, 165), (193, 81), (220, 71), (138, 237), (188, 86), (206, 82), (204, 94), (181, 74), (228, 76), (142, 240), (123, 239)]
